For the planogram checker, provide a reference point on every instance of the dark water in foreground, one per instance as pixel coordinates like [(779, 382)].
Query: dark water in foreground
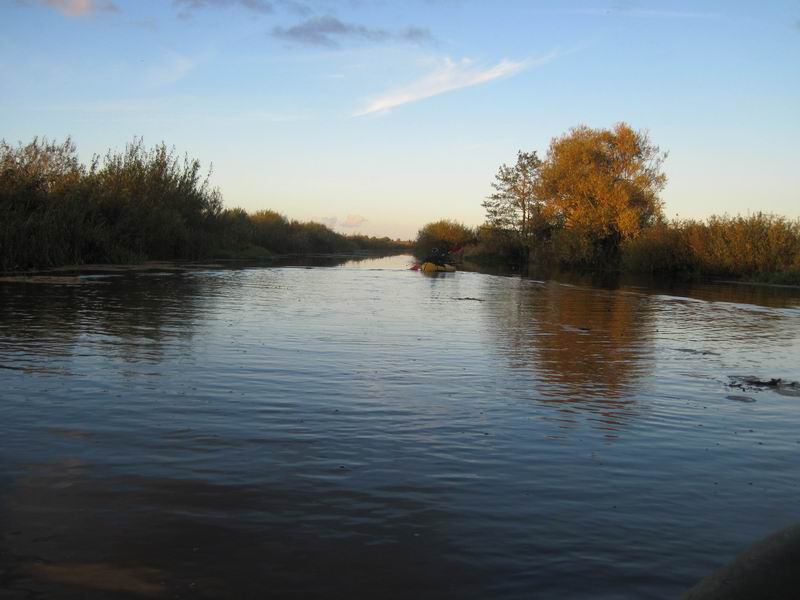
[(368, 431)]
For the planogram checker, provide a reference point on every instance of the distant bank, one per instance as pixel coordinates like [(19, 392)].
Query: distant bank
[(137, 205)]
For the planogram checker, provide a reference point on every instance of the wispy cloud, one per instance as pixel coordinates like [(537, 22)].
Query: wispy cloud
[(296, 7), (122, 106), (171, 70), (625, 11), (449, 76), (328, 31), (353, 221), (182, 108), (276, 117), (329, 221), (80, 8), (349, 222), (149, 23), (187, 7)]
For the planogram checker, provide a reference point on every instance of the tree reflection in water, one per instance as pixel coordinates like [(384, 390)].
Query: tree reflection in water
[(586, 350), (135, 318)]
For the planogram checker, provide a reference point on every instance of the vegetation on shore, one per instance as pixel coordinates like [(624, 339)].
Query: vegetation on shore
[(593, 203), (443, 235), (136, 205)]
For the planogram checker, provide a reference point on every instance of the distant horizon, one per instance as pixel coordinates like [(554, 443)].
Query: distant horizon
[(376, 120)]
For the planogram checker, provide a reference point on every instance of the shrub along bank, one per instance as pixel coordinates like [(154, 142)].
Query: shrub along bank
[(136, 205), (593, 203), (760, 247)]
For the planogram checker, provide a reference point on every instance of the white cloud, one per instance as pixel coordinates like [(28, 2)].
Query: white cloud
[(353, 221), (262, 116), (449, 76), (171, 70)]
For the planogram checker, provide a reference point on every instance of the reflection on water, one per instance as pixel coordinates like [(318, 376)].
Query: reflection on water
[(369, 431), (108, 578), (132, 318), (583, 349)]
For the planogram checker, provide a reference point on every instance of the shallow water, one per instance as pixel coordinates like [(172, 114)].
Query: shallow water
[(366, 430)]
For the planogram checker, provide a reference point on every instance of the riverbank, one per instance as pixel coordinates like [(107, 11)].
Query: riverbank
[(512, 261), (613, 279), (138, 205)]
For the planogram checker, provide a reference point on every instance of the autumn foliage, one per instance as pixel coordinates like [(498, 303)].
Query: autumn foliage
[(593, 201), (444, 235), (602, 184), (759, 246)]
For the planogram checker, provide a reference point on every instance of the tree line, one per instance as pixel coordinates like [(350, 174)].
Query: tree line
[(593, 202), (138, 204)]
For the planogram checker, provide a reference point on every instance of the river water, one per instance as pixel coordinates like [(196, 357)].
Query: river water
[(369, 431)]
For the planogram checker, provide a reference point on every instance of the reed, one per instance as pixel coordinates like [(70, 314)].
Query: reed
[(141, 203), (760, 246)]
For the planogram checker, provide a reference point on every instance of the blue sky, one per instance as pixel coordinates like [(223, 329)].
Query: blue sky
[(377, 116)]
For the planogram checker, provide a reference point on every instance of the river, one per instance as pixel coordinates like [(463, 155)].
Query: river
[(363, 430)]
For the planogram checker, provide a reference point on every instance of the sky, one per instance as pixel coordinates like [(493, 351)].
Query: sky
[(378, 116)]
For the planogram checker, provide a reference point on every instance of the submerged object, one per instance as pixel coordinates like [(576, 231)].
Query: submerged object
[(749, 383), (429, 267)]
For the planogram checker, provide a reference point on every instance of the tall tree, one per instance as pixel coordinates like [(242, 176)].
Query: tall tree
[(515, 206), (603, 183)]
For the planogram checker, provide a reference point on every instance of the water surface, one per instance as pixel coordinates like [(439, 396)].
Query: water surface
[(372, 431)]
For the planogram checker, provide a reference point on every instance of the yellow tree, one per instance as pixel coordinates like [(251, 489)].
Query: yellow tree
[(443, 235), (602, 184)]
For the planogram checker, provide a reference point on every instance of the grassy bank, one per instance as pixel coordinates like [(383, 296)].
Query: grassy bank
[(758, 248), (136, 205), (593, 203)]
